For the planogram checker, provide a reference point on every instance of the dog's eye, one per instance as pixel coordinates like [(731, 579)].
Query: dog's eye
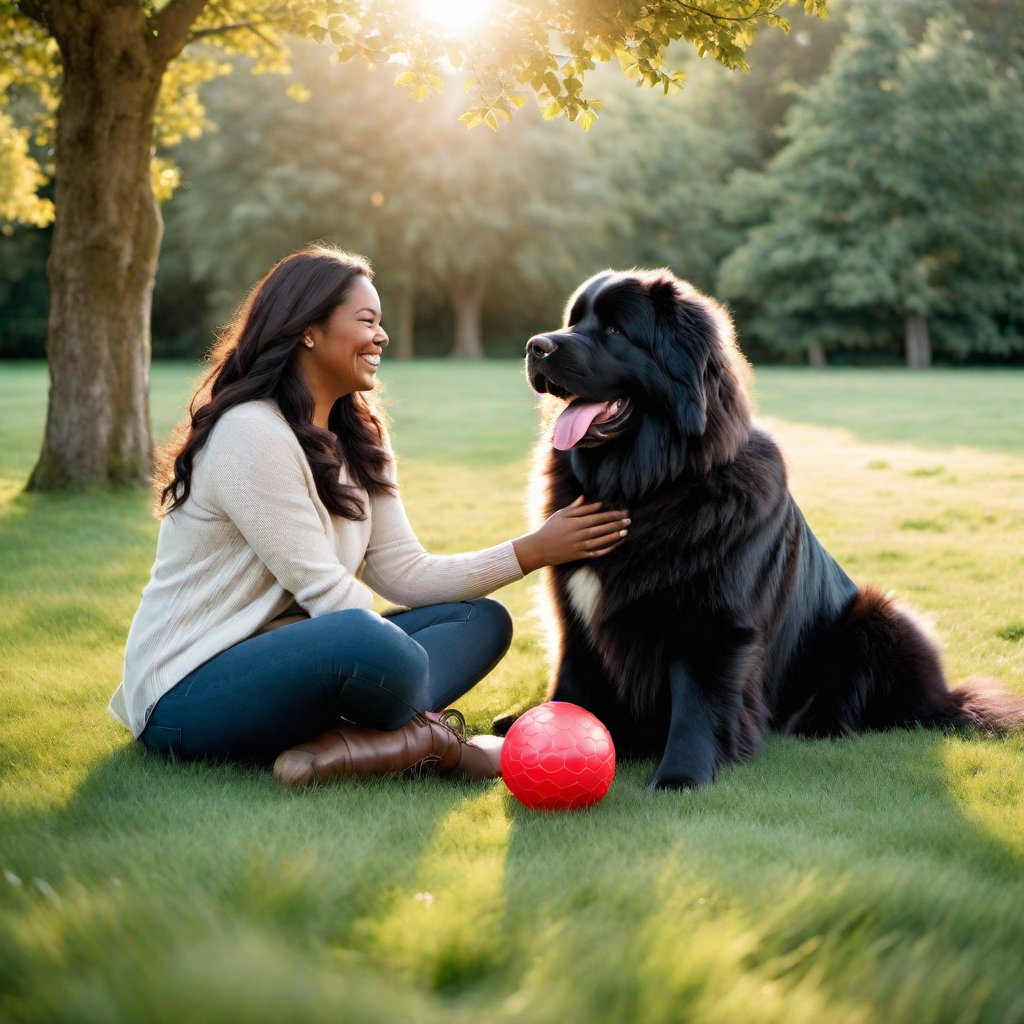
[(612, 329)]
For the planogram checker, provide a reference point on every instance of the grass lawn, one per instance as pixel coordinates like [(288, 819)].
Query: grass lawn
[(879, 879)]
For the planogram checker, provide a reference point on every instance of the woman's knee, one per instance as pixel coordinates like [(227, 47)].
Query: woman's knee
[(388, 683), (495, 620)]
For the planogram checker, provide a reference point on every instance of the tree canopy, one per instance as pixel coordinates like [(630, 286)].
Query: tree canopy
[(889, 202), (513, 54), (507, 221), (898, 197), (125, 72), (438, 209), (509, 56)]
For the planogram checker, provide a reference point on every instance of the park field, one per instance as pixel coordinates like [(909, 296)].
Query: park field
[(876, 879)]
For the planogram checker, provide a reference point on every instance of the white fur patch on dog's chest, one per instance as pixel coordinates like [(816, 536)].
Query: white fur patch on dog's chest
[(584, 589)]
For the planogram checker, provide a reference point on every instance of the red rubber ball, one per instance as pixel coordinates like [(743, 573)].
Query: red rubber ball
[(558, 757)]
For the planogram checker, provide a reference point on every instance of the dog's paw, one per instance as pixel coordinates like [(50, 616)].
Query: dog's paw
[(681, 784), (680, 780)]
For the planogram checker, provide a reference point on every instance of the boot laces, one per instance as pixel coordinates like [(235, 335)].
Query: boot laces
[(451, 719), (424, 766)]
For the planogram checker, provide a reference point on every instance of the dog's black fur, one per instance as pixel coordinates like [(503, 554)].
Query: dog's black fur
[(721, 616)]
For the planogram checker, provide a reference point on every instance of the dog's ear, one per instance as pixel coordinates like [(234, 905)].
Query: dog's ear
[(681, 346), (691, 402)]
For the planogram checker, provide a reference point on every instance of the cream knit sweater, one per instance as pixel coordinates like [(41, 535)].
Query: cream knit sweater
[(254, 540)]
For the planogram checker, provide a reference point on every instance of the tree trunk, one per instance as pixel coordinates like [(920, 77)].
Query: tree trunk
[(816, 355), (467, 296), (917, 342), (106, 242), (401, 320)]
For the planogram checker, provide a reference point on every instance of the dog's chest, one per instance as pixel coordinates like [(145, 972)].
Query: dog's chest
[(583, 589)]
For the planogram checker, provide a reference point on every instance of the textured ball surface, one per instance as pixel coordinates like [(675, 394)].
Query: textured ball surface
[(557, 757)]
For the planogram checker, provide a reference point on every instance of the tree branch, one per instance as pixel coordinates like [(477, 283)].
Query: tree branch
[(219, 30), (759, 13), (237, 26), (170, 27)]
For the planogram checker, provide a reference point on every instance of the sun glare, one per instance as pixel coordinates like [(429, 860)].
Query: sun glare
[(454, 16)]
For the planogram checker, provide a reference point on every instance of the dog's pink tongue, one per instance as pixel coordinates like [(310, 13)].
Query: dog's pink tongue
[(574, 421)]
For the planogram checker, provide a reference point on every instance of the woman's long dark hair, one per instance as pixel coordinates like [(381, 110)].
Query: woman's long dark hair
[(254, 358)]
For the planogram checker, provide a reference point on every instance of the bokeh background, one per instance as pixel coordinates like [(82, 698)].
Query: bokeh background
[(857, 198)]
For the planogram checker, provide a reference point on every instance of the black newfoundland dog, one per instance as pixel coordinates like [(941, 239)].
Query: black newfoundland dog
[(721, 616)]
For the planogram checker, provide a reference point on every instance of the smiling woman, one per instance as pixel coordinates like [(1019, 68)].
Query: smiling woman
[(256, 635), (341, 355)]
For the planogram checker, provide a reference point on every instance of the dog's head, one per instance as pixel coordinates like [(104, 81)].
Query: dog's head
[(651, 382)]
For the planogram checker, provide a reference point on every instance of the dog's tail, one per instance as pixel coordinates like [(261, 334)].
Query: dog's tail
[(977, 705), (903, 640), (884, 672)]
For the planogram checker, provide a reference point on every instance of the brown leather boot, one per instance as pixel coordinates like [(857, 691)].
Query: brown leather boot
[(479, 757), (427, 743)]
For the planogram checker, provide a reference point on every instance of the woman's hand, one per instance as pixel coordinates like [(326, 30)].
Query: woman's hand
[(577, 531)]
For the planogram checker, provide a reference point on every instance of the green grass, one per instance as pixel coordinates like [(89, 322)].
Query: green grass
[(978, 408), (876, 879)]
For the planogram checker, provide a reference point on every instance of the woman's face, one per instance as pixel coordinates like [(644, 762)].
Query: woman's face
[(345, 351)]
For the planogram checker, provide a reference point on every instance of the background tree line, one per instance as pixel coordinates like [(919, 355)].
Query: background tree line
[(93, 93), (859, 196)]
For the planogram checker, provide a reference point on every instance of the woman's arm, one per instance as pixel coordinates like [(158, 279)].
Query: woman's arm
[(400, 570)]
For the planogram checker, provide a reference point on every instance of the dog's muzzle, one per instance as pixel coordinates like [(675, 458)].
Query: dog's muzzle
[(540, 346)]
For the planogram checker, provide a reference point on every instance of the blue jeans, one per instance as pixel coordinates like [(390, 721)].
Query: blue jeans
[(281, 688)]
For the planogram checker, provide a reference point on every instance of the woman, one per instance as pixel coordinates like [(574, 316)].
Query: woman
[(280, 508)]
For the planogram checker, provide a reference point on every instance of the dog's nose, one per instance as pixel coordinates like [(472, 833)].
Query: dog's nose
[(541, 346)]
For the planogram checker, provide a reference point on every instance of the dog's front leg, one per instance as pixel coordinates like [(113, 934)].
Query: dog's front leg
[(691, 752), (581, 678)]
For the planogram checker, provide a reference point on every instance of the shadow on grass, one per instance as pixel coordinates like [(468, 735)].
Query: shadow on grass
[(823, 881), (228, 829), (196, 886), (886, 405), (96, 533)]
